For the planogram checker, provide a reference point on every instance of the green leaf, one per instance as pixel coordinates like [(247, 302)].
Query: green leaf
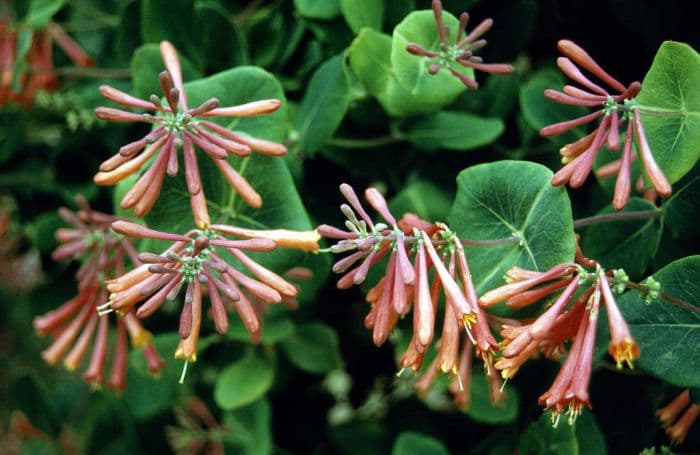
[(363, 13), (539, 112), (413, 443), (668, 335), (370, 60), (282, 206), (314, 9), (453, 131), (682, 210), (423, 198), (412, 71), (146, 65), (673, 84), (146, 395), (174, 21), (41, 11), (243, 381), (505, 198), (314, 348), (250, 428), (277, 327), (541, 438), (589, 435), (324, 105), (629, 244), (695, 395), (482, 410), (30, 396)]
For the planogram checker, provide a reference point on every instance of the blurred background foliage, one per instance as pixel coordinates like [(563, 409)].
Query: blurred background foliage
[(315, 384)]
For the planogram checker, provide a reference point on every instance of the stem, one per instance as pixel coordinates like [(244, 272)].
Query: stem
[(77, 71), (616, 216), (663, 296), (362, 143)]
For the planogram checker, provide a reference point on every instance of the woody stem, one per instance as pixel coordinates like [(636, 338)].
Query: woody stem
[(663, 296)]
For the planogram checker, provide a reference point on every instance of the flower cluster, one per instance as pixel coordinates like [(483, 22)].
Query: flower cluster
[(36, 70), (75, 324), (677, 428), (178, 127), (407, 286), (197, 261), (461, 52), (616, 106), (197, 430), (572, 316)]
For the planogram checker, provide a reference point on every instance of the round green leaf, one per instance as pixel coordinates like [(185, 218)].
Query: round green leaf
[(313, 348), (673, 84), (412, 71), (629, 244), (314, 9), (422, 197), (363, 13), (682, 210), (324, 105), (541, 438), (413, 443), (505, 198), (453, 131), (668, 335), (250, 428), (482, 410), (277, 326), (243, 381), (539, 112), (146, 395), (175, 21)]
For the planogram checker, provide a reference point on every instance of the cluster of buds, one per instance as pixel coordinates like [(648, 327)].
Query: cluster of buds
[(461, 52), (615, 108), (75, 324), (201, 260), (407, 286), (572, 316), (178, 127), (676, 427), (36, 71), (197, 430)]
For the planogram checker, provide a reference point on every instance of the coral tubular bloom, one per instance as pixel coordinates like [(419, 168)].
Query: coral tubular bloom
[(461, 52), (178, 127), (677, 428), (74, 326), (193, 264), (615, 107), (622, 348)]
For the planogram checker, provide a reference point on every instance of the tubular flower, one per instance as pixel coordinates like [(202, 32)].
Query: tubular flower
[(39, 73), (570, 316), (195, 262), (75, 324), (197, 430), (677, 428), (176, 126), (616, 105), (406, 286), (461, 52)]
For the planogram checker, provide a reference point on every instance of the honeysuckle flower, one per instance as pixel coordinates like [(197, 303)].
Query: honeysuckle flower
[(37, 71), (616, 105), (194, 263), (570, 316), (197, 430), (406, 286), (462, 52), (178, 127), (677, 428), (75, 325)]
